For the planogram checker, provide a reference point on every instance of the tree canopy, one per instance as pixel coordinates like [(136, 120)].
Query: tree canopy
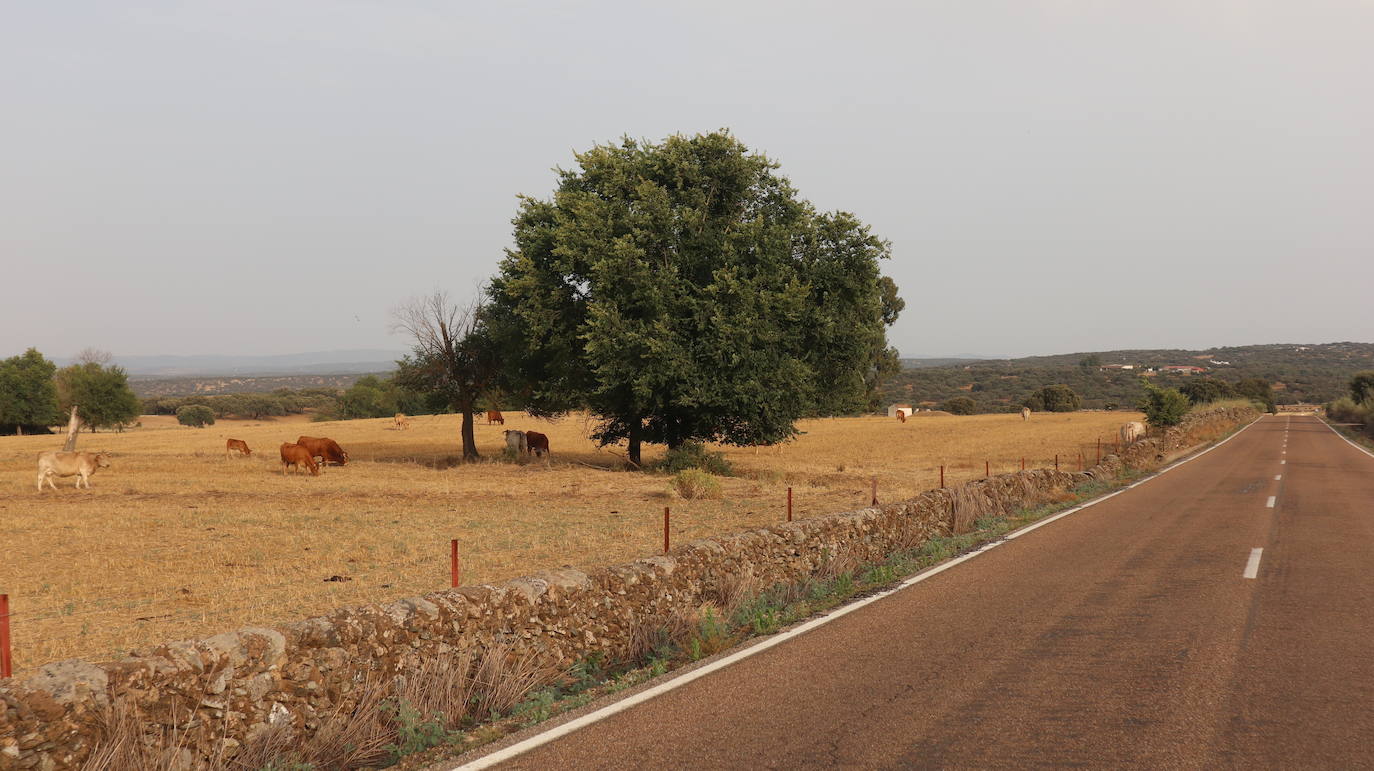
[(1054, 398), (101, 393), (1163, 406), (684, 291), (1362, 386), (28, 396)]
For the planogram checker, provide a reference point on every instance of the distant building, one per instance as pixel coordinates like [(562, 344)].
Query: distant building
[(1118, 366), (1219, 363), (1182, 369), (905, 408)]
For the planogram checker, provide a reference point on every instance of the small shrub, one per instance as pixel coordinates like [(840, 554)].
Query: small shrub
[(196, 416), (960, 405), (694, 455), (695, 483)]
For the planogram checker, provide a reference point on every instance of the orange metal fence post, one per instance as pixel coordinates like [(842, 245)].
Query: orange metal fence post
[(987, 469), (1056, 461), (1023, 463), (942, 477), (874, 502), (1099, 451), (789, 504), (6, 658), (665, 529), (453, 562)]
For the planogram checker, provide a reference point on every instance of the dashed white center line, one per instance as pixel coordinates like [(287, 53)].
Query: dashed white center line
[(1282, 462), (1252, 565), (1277, 477), (1270, 504)]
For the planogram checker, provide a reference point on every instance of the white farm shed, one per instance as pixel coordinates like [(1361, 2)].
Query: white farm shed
[(892, 410)]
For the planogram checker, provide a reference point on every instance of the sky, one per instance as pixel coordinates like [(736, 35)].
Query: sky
[(256, 177)]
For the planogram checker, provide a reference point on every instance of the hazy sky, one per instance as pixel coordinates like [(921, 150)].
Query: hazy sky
[(274, 177)]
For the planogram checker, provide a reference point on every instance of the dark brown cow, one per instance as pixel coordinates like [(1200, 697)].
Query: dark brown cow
[(238, 445), (538, 443), (324, 448), (494, 416), (294, 455)]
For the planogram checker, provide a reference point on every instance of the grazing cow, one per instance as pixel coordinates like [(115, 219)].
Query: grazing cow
[(494, 416), (538, 443), (65, 464), (515, 441), (1025, 413), (901, 416), (324, 448), (294, 455), (1132, 431), (402, 422), (238, 445)]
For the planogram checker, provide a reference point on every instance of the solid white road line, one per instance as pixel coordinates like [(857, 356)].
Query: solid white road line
[(521, 747), (1252, 565), (1347, 441), (1270, 504)]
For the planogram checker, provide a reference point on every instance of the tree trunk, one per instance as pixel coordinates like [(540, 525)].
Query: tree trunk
[(469, 442), (73, 427), (635, 443)]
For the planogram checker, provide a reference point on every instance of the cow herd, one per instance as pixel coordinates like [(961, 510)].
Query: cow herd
[(520, 442), (307, 453)]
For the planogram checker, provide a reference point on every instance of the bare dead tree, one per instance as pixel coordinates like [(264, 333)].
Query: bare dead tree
[(73, 428), (94, 356), (452, 355)]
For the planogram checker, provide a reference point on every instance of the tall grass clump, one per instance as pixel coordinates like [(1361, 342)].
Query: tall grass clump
[(694, 483)]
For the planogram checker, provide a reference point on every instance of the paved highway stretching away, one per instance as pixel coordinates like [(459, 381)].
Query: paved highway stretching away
[(1219, 615)]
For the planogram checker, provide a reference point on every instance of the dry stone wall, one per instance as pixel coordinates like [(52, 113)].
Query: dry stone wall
[(218, 693)]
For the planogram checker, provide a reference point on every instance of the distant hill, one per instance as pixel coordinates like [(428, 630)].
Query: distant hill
[(360, 361), (1300, 372)]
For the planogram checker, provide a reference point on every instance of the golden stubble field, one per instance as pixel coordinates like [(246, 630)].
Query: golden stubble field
[(176, 541)]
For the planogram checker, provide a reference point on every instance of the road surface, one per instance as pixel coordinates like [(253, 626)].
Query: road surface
[(1146, 630)]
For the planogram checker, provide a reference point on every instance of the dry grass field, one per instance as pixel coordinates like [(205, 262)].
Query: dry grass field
[(176, 541)]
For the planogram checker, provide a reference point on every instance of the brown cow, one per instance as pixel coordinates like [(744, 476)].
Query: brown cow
[(901, 416), (294, 455), (324, 448), (65, 464), (538, 443), (494, 416), (239, 445), (402, 422)]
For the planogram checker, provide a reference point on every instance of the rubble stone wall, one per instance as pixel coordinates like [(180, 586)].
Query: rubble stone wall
[(224, 690)]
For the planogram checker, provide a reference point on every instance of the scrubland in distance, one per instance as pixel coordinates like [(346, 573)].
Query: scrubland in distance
[(176, 541)]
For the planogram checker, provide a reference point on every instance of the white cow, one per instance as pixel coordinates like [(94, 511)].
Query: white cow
[(65, 464), (515, 440), (1025, 413), (1132, 431)]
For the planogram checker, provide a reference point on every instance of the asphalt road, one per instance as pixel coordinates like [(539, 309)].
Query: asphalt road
[(1126, 634)]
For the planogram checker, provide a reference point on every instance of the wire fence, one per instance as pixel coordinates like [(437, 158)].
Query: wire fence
[(281, 600)]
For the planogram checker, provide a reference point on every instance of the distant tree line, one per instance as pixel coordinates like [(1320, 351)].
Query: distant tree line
[(283, 401), (1295, 374)]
